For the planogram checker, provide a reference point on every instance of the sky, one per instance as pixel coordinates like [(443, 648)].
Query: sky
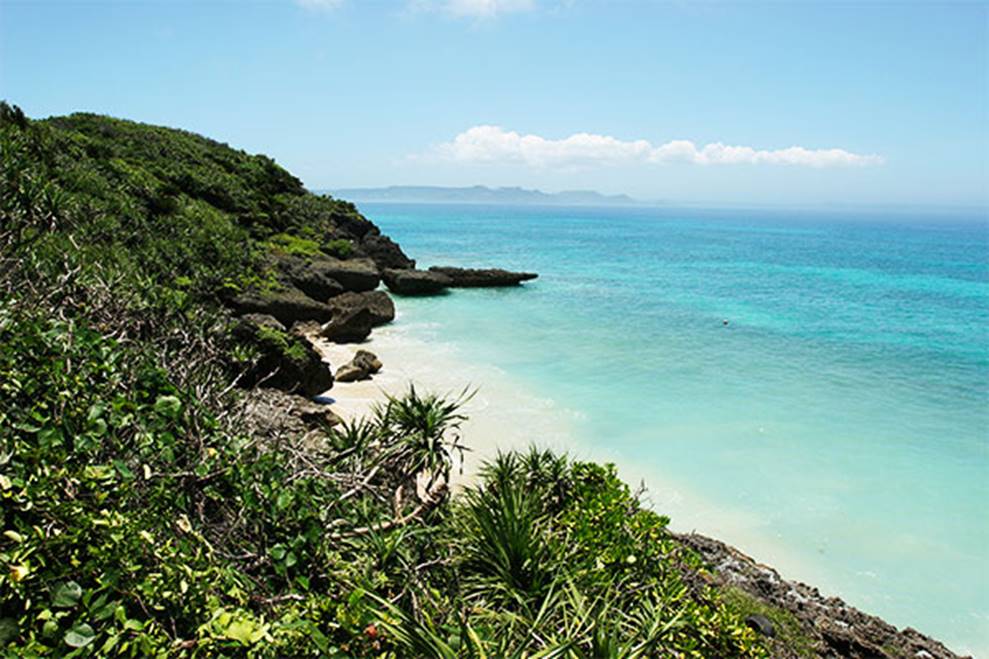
[(691, 102)]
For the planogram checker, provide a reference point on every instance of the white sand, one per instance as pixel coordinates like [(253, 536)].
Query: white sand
[(501, 414)]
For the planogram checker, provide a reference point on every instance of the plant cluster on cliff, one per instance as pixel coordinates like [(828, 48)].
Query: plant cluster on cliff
[(144, 515)]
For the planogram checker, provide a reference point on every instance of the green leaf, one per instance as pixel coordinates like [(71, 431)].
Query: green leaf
[(278, 552), (169, 406), (245, 631), (80, 636), (67, 595)]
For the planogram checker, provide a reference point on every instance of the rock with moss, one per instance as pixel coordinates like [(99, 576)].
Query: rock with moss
[(282, 360), (305, 274), (378, 303), (286, 303)]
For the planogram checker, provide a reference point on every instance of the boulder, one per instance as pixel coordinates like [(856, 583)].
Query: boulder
[(349, 326), (377, 302), (315, 414), (308, 276), (477, 278), (353, 274), (386, 253), (284, 361), (415, 282), (261, 320), (361, 367), (287, 305)]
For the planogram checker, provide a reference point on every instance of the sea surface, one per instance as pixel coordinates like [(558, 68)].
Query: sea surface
[(836, 428)]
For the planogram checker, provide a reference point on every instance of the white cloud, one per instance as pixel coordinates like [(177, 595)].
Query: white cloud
[(493, 144), (487, 8), (319, 5), (479, 9)]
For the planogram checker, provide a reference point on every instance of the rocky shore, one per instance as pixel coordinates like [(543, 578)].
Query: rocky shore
[(319, 300)]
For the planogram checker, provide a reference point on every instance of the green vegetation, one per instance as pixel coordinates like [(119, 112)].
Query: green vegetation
[(142, 517)]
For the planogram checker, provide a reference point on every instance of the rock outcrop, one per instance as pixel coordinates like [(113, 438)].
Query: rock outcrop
[(385, 252), (285, 361), (484, 277), (310, 276), (352, 274), (349, 326), (287, 304), (415, 282), (361, 367), (835, 628), (377, 302)]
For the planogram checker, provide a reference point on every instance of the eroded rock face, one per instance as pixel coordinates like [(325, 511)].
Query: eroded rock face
[(837, 629), (288, 305), (355, 275), (361, 367), (385, 252), (286, 361), (415, 282), (349, 326), (378, 303), (309, 277), (484, 277)]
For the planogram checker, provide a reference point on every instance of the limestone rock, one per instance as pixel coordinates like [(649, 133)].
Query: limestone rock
[(361, 367), (349, 326), (415, 282), (286, 304), (377, 302), (485, 277), (285, 361), (385, 252)]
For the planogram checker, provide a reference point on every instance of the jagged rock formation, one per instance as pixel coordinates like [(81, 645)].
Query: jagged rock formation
[(835, 629)]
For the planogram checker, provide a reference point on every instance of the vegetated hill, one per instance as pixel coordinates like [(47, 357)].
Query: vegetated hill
[(150, 506)]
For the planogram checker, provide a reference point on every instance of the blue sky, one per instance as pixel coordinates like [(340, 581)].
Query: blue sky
[(835, 103)]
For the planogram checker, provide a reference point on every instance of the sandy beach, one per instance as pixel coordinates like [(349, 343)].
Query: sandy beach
[(501, 414)]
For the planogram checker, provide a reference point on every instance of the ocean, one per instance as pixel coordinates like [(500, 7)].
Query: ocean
[(837, 427)]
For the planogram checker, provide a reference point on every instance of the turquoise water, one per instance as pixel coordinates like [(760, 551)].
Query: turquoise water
[(837, 428)]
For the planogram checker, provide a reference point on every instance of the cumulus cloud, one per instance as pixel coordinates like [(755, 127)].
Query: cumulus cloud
[(493, 144), (319, 5)]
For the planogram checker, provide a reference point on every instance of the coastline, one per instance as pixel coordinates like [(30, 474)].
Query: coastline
[(503, 415)]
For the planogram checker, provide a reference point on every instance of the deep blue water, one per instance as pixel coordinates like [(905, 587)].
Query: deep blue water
[(837, 427)]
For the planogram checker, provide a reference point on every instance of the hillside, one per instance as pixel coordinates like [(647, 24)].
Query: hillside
[(169, 486)]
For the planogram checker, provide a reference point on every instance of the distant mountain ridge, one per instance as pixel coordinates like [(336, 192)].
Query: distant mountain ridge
[(481, 194)]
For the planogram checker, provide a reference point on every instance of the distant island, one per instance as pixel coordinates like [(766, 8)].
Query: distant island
[(481, 194)]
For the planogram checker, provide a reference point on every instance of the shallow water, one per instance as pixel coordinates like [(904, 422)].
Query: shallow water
[(837, 427)]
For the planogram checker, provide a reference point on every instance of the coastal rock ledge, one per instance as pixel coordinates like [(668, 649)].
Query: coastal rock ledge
[(834, 628), (482, 277)]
